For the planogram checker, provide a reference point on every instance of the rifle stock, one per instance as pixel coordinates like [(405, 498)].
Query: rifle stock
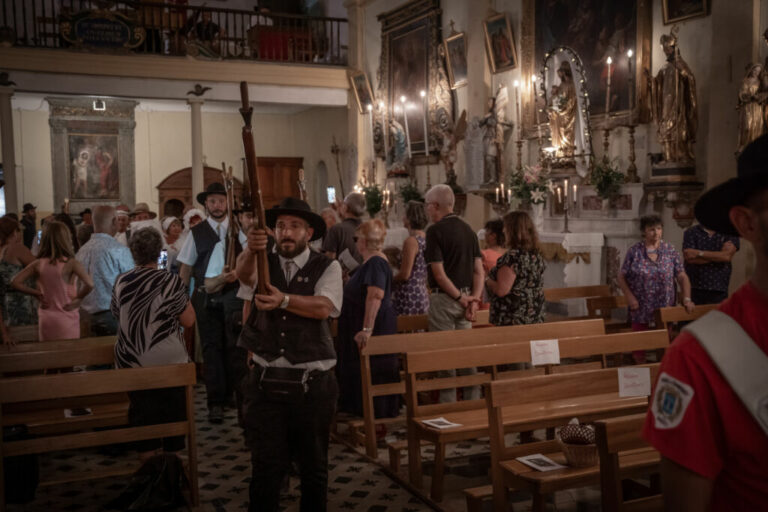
[(262, 265)]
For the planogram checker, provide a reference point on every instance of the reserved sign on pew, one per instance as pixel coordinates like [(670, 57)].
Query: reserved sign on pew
[(634, 382), (545, 352)]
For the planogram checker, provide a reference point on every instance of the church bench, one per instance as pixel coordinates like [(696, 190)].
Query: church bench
[(532, 397), (18, 390), (400, 344), (471, 415), (552, 296), (618, 439), (24, 333), (44, 355), (602, 307), (673, 314)]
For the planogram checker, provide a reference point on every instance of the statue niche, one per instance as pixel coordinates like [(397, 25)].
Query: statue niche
[(561, 112)]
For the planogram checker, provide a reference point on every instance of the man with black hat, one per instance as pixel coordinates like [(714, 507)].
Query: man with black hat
[(211, 308), (28, 221), (709, 413), (291, 390)]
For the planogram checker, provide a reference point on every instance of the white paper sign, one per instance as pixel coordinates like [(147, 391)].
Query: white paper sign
[(539, 462), (545, 352), (634, 381), (441, 423)]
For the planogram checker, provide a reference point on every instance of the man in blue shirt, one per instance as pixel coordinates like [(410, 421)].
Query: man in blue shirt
[(104, 258), (707, 256)]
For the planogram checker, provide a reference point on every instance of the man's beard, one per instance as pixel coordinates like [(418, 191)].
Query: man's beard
[(217, 214), (299, 246)]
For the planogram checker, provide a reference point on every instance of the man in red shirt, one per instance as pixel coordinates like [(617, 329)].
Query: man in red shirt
[(714, 451)]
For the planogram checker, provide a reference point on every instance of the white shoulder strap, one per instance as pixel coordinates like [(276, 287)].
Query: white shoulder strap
[(743, 364)]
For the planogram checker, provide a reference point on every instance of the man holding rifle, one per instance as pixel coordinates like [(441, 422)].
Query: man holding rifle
[(291, 391)]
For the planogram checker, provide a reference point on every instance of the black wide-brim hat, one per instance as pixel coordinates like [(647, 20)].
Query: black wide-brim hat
[(213, 188), (713, 207), (297, 208)]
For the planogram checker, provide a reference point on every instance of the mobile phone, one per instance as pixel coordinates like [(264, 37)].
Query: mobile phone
[(331, 195), (162, 260), (39, 236)]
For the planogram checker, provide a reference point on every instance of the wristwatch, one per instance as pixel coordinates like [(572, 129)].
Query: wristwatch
[(367, 329), (686, 300), (286, 300), (700, 254)]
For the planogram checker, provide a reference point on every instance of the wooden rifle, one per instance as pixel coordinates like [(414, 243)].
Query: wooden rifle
[(262, 264), (233, 231)]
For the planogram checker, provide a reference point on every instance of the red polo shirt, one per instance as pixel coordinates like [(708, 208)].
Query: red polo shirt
[(697, 421)]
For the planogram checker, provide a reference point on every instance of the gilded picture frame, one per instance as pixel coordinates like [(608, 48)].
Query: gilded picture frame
[(456, 59), (360, 85), (679, 10), (500, 43)]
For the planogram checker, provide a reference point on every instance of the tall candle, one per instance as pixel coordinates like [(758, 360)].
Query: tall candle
[(535, 110), (509, 196), (370, 123), (497, 194), (385, 129), (575, 188), (559, 199), (405, 120), (630, 81), (517, 106), (565, 190), (608, 90), (426, 115), (502, 189)]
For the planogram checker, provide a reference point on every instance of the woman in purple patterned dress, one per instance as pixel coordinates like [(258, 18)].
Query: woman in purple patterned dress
[(411, 297), (648, 275)]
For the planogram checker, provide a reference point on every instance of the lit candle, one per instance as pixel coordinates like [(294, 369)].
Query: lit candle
[(517, 106), (565, 190), (575, 189), (559, 199), (630, 81), (535, 110), (502, 189), (497, 194), (609, 61), (385, 129), (426, 115), (370, 123), (405, 120), (509, 196)]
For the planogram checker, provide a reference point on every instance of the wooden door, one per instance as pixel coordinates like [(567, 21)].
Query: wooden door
[(279, 178)]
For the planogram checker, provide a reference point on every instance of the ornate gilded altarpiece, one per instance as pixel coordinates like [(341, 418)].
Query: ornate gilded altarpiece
[(595, 29), (92, 151), (412, 60)]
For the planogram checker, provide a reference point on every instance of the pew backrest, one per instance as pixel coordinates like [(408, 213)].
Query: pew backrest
[(576, 292), (668, 315), (57, 354)]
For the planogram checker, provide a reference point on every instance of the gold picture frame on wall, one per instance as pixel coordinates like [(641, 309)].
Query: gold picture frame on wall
[(362, 89), (456, 59), (679, 10), (500, 43)]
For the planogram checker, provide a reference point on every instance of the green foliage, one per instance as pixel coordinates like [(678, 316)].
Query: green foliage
[(373, 199), (607, 179), (409, 192)]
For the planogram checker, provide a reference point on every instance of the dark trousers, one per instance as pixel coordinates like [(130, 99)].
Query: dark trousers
[(103, 323), (279, 433), (219, 319), (699, 296)]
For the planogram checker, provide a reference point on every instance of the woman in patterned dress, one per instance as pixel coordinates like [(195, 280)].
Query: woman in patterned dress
[(410, 294), (151, 307), (17, 308), (648, 275), (516, 283)]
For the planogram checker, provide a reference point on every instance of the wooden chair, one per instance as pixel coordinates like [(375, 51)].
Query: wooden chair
[(471, 415), (400, 344), (588, 395), (618, 440), (66, 386)]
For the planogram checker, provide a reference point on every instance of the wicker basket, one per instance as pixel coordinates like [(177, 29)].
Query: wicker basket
[(579, 455)]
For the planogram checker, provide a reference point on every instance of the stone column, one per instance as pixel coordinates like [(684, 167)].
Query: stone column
[(196, 104), (357, 60), (8, 149)]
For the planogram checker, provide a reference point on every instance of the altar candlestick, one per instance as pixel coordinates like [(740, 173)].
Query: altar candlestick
[(384, 129), (609, 61), (559, 199), (509, 196), (497, 194), (370, 124), (517, 106), (575, 189), (502, 190), (535, 110), (405, 120), (565, 190), (426, 115), (630, 82)]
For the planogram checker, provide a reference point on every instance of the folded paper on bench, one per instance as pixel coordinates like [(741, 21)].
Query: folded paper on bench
[(634, 381), (545, 352), (441, 423)]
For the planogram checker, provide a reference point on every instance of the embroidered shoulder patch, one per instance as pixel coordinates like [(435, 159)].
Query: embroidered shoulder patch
[(670, 401)]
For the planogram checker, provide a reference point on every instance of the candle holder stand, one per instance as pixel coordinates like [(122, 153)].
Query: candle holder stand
[(606, 145), (632, 176), (500, 206), (519, 155)]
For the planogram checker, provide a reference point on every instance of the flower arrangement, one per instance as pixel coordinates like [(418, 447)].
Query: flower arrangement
[(531, 184), (373, 199), (607, 179)]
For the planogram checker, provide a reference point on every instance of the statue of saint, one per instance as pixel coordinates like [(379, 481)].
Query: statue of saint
[(673, 104), (493, 136), (561, 111), (751, 98), (398, 151)]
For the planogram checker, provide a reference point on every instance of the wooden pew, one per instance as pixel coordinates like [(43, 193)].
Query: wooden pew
[(614, 438), (402, 343), (83, 384), (57, 354), (472, 414), (555, 295), (673, 314), (602, 307), (589, 395)]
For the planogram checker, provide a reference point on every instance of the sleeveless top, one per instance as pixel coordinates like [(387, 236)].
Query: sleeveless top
[(411, 297)]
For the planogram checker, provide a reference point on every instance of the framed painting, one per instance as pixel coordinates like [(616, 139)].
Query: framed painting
[(411, 62), (456, 59), (362, 89), (595, 30), (500, 43), (94, 166), (679, 10)]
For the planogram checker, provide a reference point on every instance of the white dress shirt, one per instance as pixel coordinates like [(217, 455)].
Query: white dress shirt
[(188, 253)]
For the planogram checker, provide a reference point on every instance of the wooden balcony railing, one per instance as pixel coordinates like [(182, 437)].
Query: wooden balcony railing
[(173, 29)]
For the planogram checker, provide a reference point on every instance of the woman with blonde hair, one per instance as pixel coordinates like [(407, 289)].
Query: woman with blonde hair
[(367, 311), (516, 283), (57, 272)]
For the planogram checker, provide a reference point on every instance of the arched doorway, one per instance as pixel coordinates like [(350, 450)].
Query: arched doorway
[(178, 187)]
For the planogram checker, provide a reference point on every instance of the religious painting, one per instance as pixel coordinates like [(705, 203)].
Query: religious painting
[(456, 59), (362, 89), (411, 62), (679, 10), (500, 43), (594, 30), (93, 166)]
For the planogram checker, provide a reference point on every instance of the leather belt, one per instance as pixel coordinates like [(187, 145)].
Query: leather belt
[(313, 374)]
